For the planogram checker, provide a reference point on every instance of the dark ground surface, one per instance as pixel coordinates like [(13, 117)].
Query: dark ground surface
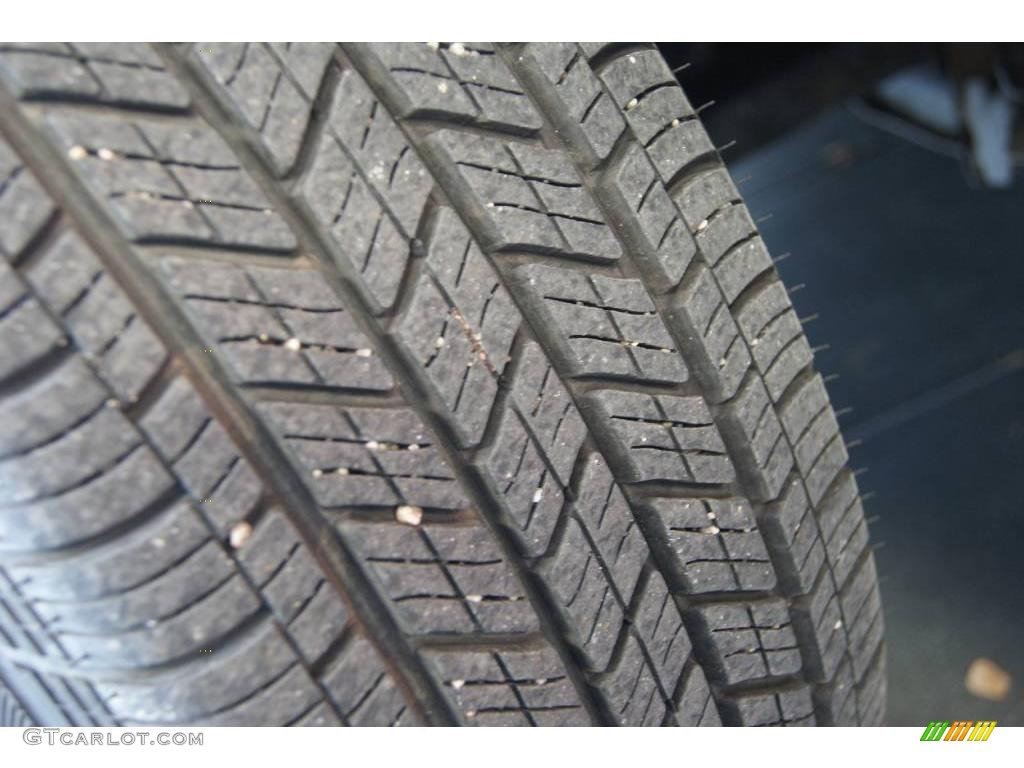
[(918, 279)]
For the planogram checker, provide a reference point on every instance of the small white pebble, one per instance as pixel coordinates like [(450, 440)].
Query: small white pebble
[(538, 495), (341, 471), (838, 624), (632, 59), (475, 598), (408, 514), (702, 226), (457, 684), (113, 402), (434, 46), (364, 353), (439, 342), (318, 473), (711, 530), (675, 123), (106, 154), (293, 344), (159, 543), (442, 87), (264, 338), (470, 713), (413, 447), (240, 534), (458, 49), (372, 445), (541, 680), (631, 104), (78, 152)]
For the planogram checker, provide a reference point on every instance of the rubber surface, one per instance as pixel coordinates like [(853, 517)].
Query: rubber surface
[(406, 384)]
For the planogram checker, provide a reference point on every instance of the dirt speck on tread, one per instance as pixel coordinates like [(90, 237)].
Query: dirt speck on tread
[(409, 515)]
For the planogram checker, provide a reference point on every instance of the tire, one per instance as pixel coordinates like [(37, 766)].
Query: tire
[(406, 384)]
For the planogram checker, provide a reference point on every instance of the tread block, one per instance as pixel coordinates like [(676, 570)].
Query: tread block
[(862, 615), (256, 315), (670, 247), (749, 641), (207, 684), (277, 704), (24, 207), (102, 322), (132, 561), (716, 544), (658, 623), (581, 93), (460, 324), (768, 323), (827, 465), (361, 688), (585, 590), (740, 265), (509, 687), (199, 626), (46, 409), (666, 437), (71, 461), (703, 313), (148, 604), (549, 410), (293, 586), (806, 401), (169, 182), (788, 707), (455, 356), (704, 194), (367, 189), (112, 73), (361, 125), (29, 336), (819, 623), (696, 705), (768, 454), (841, 520), (610, 326), (791, 522), (359, 456), (604, 512), (533, 197), (632, 690), (462, 271), (116, 494), (871, 693), (272, 85), (319, 623), (529, 491), (444, 578), (465, 80), (723, 231)]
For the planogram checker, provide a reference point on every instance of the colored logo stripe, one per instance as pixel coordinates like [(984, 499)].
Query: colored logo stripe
[(934, 731), (960, 730), (982, 731)]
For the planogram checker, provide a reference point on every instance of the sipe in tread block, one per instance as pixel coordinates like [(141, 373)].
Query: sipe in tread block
[(404, 384)]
